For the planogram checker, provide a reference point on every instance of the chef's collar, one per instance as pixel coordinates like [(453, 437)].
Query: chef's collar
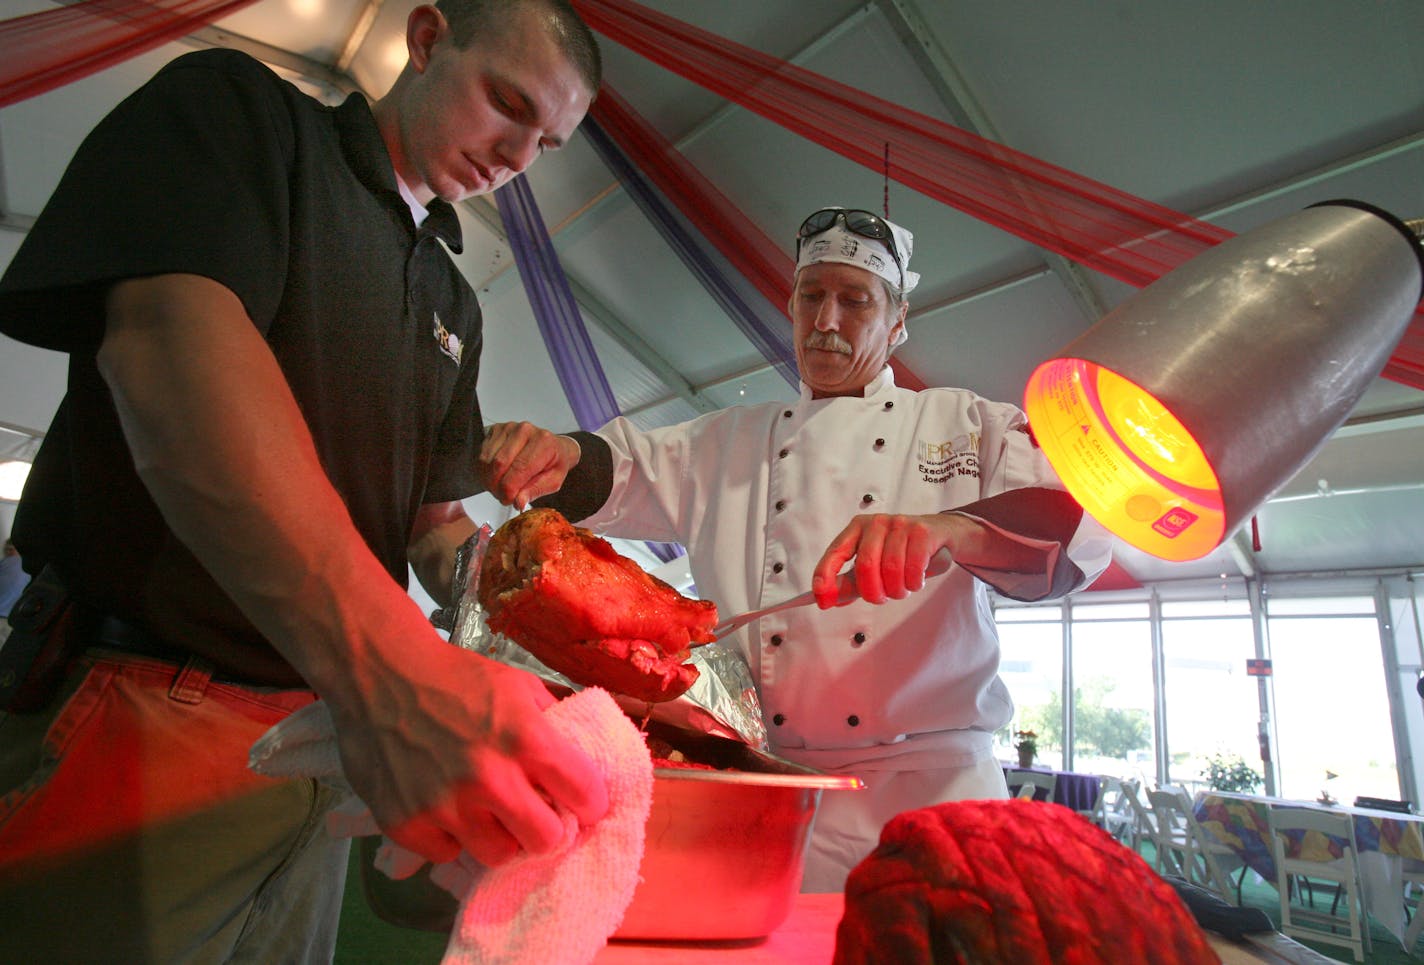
[(881, 383)]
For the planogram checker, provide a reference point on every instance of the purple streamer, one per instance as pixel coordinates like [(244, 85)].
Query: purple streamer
[(772, 340), (570, 349), (555, 309)]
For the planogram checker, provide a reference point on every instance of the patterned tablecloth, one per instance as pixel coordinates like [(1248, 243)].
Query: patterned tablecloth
[(1384, 838)]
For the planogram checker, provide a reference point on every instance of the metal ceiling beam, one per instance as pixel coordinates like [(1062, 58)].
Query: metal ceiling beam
[(830, 35), (20, 223), (939, 68), (1334, 169), (1239, 546), (337, 81), (1275, 189), (359, 31), (312, 70), (600, 314), (9, 221), (632, 343)]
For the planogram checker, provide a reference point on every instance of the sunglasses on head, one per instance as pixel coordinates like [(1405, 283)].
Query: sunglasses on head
[(866, 224)]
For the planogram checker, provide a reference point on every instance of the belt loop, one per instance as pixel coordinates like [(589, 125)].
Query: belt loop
[(191, 684)]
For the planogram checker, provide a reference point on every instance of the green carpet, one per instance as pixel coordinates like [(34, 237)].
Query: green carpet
[(1256, 892), (365, 939)]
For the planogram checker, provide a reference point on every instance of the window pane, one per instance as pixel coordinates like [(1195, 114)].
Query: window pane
[(1331, 714), (1023, 614), (1206, 608), (1319, 606), (1213, 707), (1031, 664), (1112, 704), (1109, 611)]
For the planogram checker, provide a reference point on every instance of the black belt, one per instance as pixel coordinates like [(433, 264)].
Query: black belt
[(115, 634)]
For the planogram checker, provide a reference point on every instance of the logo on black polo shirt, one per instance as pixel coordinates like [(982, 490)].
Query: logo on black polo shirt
[(448, 341), (942, 461)]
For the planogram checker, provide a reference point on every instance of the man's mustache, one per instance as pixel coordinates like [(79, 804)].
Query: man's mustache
[(827, 342)]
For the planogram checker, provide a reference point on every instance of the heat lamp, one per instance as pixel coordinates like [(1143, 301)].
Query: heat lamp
[(1174, 417)]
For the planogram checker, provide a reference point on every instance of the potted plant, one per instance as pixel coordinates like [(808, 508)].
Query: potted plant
[(1230, 772), (1026, 743)]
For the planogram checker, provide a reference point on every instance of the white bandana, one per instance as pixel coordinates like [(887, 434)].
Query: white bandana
[(839, 245)]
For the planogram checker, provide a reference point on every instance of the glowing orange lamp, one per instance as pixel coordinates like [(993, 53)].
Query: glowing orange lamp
[(1174, 417)]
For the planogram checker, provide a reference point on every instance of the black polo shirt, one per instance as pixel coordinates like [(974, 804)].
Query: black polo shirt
[(219, 168)]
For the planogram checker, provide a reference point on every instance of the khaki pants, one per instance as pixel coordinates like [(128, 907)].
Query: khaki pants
[(131, 829)]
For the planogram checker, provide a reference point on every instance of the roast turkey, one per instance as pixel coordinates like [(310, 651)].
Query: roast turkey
[(569, 598)]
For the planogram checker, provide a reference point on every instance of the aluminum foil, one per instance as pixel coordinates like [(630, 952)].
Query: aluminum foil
[(723, 701)]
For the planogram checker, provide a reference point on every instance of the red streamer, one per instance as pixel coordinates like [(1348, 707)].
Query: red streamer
[(767, 265), (1111, 231), (1093, 224), (44, 50)]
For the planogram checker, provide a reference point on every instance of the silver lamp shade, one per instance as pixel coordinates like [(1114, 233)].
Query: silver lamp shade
[(1174, 417)]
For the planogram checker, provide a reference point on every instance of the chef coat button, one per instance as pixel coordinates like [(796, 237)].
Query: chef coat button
[(867, 499), (889, 405), (778, 567), (786, 414), (783, 454), (778, 719), (780, 505), (880, 443), (853, 720), (776, 639), (858, 639)]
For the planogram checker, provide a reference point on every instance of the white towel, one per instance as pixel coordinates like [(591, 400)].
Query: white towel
[(555, 909)]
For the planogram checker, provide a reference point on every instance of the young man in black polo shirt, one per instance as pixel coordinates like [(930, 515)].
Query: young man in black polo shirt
[(271, 409)]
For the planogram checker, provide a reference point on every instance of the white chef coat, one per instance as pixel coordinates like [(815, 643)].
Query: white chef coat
[(757, 493)]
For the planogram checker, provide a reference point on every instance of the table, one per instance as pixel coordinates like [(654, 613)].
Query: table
[(1078, 792), (808, 937), (1385, 838)]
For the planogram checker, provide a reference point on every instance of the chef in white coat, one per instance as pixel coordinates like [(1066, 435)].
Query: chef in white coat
[(900, 689)]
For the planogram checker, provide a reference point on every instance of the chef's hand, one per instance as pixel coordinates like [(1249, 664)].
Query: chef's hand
[(891, 553), (454, 754), (521, 462)]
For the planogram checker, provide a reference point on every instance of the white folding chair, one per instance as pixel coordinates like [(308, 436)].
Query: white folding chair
[(1144, 825), (1184, 847), (1110, 811), (1035, 780), (1340, 875), (1412, 870)]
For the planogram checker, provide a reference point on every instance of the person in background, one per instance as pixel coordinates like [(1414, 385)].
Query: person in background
[(902, 687), (271, 412), (12, 580)]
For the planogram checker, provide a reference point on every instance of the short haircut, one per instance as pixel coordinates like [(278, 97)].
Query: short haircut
[(469, 19)]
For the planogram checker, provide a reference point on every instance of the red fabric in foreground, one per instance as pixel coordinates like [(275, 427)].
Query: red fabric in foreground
[(1111, 231), (45, 50), (1013, 882)]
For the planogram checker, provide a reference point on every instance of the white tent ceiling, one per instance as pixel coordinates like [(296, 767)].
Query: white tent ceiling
[(1233, 112)]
